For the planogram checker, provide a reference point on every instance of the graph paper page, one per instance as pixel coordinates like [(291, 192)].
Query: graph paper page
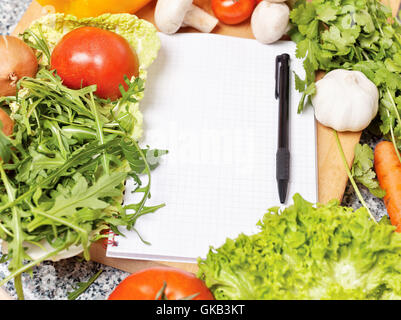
[(209, 101)]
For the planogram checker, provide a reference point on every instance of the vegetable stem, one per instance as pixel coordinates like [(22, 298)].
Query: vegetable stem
[(59, 220), (391, 127), (17, 234), (105, 129), (394, 106), (82, 232), (393, 139), (99, 131), (358, 193), (31, 264), (5, 230), (18, 287), (83, 286), (147, 171)]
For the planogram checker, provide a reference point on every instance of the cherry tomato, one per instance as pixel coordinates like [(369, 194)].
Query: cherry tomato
[(233, 11), (147, 284), (89, 55)]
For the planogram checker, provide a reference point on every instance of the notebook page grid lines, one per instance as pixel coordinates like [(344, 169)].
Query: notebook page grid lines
[(208, 102)]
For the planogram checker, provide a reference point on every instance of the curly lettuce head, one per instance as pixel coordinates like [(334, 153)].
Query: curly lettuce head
[(140, 34), (308, 252)]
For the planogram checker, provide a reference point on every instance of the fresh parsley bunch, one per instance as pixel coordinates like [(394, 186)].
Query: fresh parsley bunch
[(354, 35)]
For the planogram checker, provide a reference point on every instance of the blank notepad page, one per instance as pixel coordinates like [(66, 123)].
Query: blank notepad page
[(209, 101)]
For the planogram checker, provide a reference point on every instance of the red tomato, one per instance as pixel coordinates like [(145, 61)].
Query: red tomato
[(88, 56), (146, 284), (233, 11)]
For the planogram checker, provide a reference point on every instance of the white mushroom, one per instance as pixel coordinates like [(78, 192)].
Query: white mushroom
[(269, 21), (171, 15)]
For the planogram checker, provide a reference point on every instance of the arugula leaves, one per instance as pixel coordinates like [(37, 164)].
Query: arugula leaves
[(70, 153)]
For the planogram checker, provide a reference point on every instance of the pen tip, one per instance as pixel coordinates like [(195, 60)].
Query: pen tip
[(282, 190)]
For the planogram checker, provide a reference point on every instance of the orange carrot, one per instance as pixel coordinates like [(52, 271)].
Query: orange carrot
[(388, 171)]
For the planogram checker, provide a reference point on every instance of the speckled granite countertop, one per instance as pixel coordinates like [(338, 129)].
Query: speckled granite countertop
[(53, 281)]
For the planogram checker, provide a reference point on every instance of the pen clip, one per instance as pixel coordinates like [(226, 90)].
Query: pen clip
[(278, 63)]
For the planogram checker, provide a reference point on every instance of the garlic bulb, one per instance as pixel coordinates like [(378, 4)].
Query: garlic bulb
[(345, 100)]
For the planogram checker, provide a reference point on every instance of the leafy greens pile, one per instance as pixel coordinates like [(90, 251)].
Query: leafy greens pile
[(354, 35), (308, 252), (64, 168)]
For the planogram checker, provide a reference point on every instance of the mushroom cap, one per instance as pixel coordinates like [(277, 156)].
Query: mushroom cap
[(269, 21), (169, 14)]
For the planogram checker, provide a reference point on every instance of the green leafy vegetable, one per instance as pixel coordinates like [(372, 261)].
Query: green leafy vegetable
[(353, 35), (83, 286), (308, 251), (362, 170), (71, 154)]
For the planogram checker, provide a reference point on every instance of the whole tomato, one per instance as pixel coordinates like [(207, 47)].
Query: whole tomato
[(93, 56), (233, 11), (148, 284)]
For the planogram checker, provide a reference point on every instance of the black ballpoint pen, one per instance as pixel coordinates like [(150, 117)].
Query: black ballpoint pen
[(283, 152)]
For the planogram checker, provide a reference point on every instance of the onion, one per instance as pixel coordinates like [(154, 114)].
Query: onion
[(7, 122), (17, 60)]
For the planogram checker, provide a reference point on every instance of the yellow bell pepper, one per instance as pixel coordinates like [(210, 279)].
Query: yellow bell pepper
[(93, 8)]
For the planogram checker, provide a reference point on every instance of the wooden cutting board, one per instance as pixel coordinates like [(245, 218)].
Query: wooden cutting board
[(332, 178)]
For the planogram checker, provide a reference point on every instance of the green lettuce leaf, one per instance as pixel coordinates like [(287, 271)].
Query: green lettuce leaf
[(308, 252)]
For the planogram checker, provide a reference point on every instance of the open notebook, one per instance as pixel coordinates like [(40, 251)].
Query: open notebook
[(210, 101)]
